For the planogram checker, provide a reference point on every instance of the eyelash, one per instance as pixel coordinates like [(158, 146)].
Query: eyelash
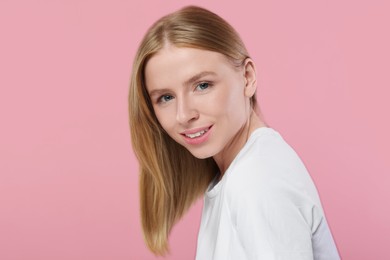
[(208, 85), (160, 99)]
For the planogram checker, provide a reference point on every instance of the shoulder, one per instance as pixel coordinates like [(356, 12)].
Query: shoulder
[(270, 180), (268, 162)]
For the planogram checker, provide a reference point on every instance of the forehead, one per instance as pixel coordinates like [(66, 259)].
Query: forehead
[(172, 64)]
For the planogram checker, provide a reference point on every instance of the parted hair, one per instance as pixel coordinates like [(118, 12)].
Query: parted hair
[(171, 179)]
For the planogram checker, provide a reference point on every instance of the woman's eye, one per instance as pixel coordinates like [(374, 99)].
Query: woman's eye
[(165, 98), (202, 86)]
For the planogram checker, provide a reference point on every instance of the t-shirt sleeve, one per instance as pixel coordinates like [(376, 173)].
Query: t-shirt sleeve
[(274, 207), (274, 222)]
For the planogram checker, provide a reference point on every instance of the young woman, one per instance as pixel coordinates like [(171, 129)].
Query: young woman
[(196, 130)]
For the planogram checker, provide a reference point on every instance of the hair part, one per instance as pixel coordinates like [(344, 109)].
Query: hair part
[(171, 178)]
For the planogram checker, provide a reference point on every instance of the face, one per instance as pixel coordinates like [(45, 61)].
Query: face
[(199, 98)]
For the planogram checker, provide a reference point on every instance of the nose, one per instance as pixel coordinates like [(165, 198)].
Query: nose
[(185, 111)]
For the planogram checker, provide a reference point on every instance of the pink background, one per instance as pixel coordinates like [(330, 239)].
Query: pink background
[(68, 177)]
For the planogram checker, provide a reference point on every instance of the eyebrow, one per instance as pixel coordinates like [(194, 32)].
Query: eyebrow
[(198, 76), (186, 83)]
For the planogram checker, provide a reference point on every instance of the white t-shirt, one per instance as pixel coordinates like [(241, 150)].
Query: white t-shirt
[(266, 206)]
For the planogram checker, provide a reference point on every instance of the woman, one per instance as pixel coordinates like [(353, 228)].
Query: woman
[(196, 129)]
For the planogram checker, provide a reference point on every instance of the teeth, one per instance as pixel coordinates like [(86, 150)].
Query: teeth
[(196, 134)]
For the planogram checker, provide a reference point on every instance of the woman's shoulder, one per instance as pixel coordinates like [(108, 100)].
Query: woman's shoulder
[(269, 168), (266, 154)]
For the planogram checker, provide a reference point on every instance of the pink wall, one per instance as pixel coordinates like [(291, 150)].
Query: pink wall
[(68, 178)]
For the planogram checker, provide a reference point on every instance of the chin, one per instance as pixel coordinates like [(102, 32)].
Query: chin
[(201, 154)]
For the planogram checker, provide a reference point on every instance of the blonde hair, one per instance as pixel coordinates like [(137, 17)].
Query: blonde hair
[(172, 179)]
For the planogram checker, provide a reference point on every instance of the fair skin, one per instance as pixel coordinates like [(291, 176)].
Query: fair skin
[(202, 101)]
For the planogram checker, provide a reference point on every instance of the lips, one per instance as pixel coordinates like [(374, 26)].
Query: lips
[(196, 135)]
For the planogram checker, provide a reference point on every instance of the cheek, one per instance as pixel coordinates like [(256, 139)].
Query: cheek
[(165, 118), (232, 107), (229, 100)]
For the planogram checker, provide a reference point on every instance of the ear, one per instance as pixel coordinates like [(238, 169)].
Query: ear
[(250, 78)]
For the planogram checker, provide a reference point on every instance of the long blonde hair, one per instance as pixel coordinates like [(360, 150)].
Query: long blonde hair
[(171, 179)]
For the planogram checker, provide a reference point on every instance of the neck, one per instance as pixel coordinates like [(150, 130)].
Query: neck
[(227, 155)]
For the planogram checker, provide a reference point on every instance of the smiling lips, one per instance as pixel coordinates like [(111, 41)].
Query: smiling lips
[(196, 136)]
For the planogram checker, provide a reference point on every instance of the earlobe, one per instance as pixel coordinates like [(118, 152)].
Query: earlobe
[(250, 77)]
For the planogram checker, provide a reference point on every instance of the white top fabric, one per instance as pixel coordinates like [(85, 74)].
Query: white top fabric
[(266, 206)]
